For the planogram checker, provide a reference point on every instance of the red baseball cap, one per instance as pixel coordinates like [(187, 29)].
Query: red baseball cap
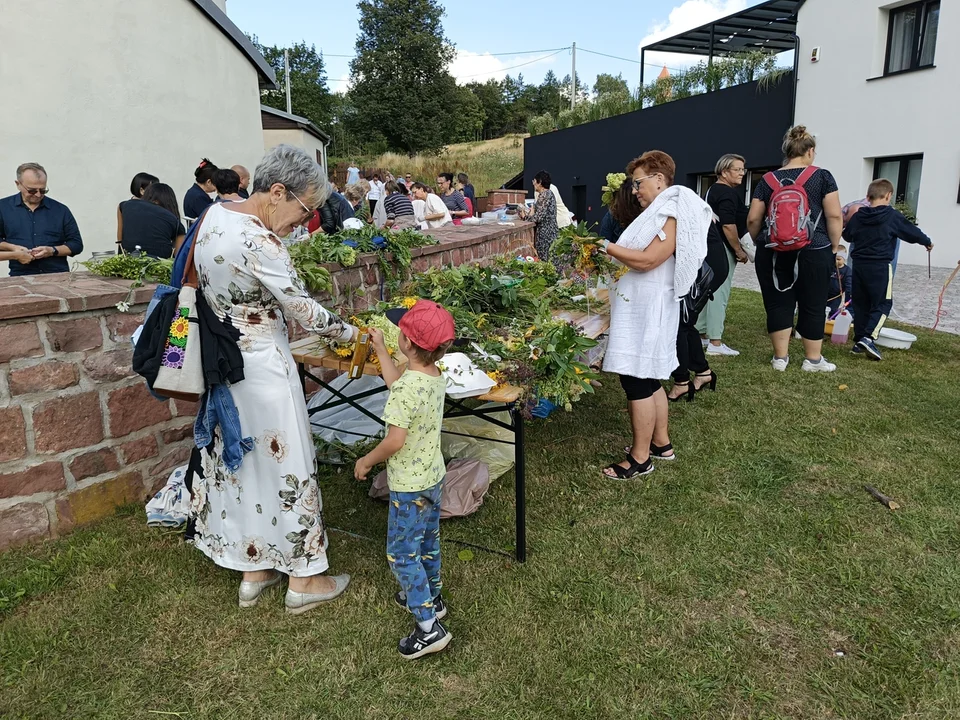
[(426, 324)]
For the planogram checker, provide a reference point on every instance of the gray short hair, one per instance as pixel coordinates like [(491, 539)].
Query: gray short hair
[(296, 171), (726, 162), (36, 167)]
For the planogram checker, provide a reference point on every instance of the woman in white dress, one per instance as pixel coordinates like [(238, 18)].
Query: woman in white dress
[(265, 519), (663, 249)]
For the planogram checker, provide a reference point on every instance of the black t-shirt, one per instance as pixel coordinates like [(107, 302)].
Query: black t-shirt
[(151, 227), (818, 187), (727, 203)]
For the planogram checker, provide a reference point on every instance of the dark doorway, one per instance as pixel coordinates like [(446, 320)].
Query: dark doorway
[(580, 202)]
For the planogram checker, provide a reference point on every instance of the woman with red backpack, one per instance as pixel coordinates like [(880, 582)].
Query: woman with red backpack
[(796, 217)]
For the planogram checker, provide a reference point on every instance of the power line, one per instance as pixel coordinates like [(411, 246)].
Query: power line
[(594, 52), (512, 67), (636, 62), (500, 54)]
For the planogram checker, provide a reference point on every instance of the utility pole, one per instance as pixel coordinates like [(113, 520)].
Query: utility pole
[(286, 76), (573, 78)]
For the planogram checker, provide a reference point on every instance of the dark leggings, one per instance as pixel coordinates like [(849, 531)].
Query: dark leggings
[(808, 296), (639, 388), (690, 354)]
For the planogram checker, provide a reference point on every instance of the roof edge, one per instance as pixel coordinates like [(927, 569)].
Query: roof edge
[(268, 79), (303, 122)]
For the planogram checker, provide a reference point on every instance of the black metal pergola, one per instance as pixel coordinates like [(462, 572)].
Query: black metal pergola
[(769, 26)]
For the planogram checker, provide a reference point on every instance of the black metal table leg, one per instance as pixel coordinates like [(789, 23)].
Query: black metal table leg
[(521, 484)]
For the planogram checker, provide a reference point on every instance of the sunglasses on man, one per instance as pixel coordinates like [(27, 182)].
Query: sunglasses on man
[(35, 191)]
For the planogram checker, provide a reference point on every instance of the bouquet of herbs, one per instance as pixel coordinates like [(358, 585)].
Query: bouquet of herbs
[(578, 246), (140, 268)]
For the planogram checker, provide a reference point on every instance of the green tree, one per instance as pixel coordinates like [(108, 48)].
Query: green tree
[(607, 83), (401, 87), (469, 116), (548, 95), (583, 93), (309, 95), (490, 95)]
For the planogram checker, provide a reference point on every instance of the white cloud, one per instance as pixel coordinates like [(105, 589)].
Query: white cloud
[(469, 66), (688, 15)]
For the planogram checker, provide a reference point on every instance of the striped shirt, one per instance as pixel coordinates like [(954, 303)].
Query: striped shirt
[(398, 205), (454, 201)]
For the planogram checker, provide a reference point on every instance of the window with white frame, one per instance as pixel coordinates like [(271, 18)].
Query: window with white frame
[(912, 36)]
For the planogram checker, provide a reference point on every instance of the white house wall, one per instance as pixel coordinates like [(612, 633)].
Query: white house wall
[(856, 121), (297, 138), (98, 91)]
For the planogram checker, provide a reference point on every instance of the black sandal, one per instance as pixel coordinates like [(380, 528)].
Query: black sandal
[(625, 473), (657, 452), (661, 452), (689, 394), (711, 381)]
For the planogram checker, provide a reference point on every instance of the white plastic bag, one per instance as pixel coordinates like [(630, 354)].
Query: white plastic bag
[(499, 456), (345, 424)]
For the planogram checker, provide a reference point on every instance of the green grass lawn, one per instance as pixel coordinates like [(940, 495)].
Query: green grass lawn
[(722, 586)]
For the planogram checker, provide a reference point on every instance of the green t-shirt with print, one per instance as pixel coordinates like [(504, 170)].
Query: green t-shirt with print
[(416, 405)]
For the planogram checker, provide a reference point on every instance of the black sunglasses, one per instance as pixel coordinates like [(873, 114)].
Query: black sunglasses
[(34, 191)]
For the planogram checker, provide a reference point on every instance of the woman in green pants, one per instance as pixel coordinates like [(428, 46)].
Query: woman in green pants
[(726, 199)]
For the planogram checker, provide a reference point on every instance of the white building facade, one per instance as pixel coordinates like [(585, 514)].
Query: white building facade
[(99, 91), (883, 99)]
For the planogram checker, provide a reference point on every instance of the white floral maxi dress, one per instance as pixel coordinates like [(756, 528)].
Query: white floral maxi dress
[(267, 515)]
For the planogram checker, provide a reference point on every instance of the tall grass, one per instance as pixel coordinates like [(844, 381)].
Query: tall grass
[(489, 163)]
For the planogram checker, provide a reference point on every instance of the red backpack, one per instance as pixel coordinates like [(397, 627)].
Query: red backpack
[(788, 212)]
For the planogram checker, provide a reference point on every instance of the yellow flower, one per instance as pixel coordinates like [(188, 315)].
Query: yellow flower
[(409, 301), (180, 328), (343, 351)]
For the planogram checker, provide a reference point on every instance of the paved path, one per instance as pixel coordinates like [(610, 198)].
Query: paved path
[(914, 295)]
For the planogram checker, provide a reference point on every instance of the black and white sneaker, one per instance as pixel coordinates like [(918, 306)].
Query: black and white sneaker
[(439, 606), (857, 348), (420, 643)]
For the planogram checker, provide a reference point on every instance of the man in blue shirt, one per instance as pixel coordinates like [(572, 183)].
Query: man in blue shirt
[(38, 223)]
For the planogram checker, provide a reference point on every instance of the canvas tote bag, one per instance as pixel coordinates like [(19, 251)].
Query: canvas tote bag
[(181, 370)]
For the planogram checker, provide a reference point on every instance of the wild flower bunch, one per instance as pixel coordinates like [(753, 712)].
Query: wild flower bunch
[(614, 182), (581, 248)]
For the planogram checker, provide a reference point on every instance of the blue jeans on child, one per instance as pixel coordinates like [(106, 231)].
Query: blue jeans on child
[(413, 547)]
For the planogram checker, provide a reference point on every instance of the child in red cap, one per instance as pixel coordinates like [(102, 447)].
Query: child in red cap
[(415, 468)]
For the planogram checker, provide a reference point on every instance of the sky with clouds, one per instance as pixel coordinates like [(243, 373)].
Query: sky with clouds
[(490, 35)]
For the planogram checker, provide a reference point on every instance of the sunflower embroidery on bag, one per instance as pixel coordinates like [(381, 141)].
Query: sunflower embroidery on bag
[(177, 340)]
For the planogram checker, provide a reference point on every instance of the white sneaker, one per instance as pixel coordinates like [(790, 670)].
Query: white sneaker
[(721, 349), (780, 364), (797, 336), (704, 342), (821, 366)]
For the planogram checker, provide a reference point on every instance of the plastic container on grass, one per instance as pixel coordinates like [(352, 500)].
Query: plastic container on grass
[(841, 328)]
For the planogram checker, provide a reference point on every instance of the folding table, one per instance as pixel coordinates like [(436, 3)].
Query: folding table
[(311, 353)]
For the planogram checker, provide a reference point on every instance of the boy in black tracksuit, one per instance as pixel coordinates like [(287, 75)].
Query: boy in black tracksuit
[(873, 233)]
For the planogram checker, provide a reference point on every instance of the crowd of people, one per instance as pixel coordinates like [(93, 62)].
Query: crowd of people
[(256, 506)]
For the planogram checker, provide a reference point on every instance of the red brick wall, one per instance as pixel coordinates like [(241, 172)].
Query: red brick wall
[(79, 433)]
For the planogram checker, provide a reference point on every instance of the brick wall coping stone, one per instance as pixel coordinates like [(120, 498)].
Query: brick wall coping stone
[(35, 295)]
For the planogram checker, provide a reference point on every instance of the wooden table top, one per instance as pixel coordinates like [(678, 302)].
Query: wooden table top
[(311, 352)]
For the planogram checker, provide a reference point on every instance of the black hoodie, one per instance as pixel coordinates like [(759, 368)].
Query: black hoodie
[(873, 233)]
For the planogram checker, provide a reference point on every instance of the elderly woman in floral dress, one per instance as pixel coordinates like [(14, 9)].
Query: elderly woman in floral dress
[(265, 519)]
